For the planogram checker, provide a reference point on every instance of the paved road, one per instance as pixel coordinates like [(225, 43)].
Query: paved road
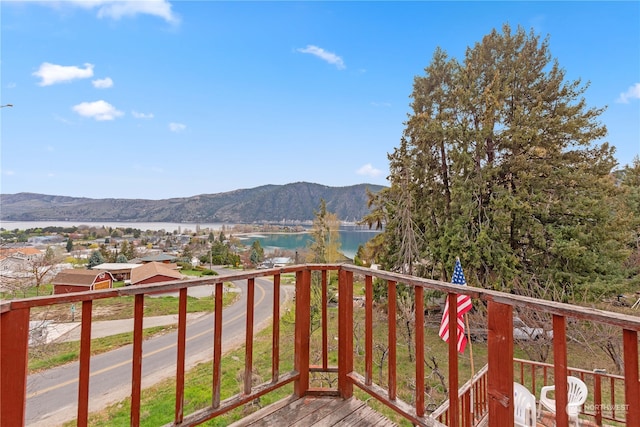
[(52, 394)]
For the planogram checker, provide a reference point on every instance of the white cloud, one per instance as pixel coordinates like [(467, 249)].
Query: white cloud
[(102, 83), (176, 127), (52, 73), (11, 85), (369, 170), (329, 57), (381, 104), (632, 93), (116, 9), (138, 115), (99, 110), (8, 173)]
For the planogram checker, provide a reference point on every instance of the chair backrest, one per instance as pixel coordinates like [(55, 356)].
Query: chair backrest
[(524, 406), (576, 391)]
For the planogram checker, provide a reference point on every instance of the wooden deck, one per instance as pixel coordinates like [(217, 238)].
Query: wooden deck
[(315, 411)]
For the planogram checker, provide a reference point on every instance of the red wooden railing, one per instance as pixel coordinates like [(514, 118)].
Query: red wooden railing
[(605, 390), (492, 390), (472, 398)]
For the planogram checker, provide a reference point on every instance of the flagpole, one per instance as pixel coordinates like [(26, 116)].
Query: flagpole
[(473, 371)]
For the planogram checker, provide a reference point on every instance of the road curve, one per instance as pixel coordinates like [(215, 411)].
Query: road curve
[(52, 394)]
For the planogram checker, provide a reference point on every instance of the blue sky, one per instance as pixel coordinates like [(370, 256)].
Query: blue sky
[(157, 99)]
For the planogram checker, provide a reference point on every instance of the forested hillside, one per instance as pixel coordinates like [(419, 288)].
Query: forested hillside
[(268, 203)]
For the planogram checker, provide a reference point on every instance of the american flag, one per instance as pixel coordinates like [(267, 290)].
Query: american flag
[(464, 305)]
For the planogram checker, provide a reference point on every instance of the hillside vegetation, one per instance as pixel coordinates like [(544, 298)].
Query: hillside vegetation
[(269, 203)]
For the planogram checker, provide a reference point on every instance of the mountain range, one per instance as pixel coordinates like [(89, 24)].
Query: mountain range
[(291, 203)]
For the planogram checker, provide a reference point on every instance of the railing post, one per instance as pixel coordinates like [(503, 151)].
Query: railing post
[(454, 401), (560, 369), (14, 345), (631, 380), (302, 331), (597, 397), (345, 332), (500, 360)]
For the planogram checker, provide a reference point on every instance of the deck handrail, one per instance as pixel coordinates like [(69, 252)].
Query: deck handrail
[(475, 389), (499, 382)]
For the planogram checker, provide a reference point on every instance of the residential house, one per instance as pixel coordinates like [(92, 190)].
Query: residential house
[(78, 280), (160, 258), (17, 261), (119, 271), (154, 272)]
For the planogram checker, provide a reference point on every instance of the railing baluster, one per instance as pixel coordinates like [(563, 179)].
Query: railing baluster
[(217, 345), (325, 338), (368, 329), (181, 350), (84, 362), (613, 398), (136, 383), (275, 338), (392, 339), (248, 344), (631, 383), (533, 379), (419, 304)]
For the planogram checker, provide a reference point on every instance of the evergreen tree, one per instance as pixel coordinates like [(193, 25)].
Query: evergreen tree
[(325, 236), (95, 259), (69, 245), (257, 253), (498, 165)]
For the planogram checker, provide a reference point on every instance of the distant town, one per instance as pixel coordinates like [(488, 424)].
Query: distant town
[(71, 259)]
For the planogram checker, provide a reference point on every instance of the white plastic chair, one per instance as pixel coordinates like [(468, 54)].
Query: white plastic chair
[(524, 406), (576, 396)]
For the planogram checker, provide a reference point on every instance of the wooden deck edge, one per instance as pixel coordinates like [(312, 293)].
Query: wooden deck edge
[(401, 407)]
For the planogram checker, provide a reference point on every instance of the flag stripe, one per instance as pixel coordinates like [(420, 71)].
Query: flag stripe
[(464, 304)]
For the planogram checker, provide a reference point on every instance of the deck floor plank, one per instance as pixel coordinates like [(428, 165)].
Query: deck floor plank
[(348, 407), (332, 406), (312, 411), (364, 417)]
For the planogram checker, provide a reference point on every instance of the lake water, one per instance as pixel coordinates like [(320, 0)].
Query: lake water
[(350, 240), (350, 236)]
